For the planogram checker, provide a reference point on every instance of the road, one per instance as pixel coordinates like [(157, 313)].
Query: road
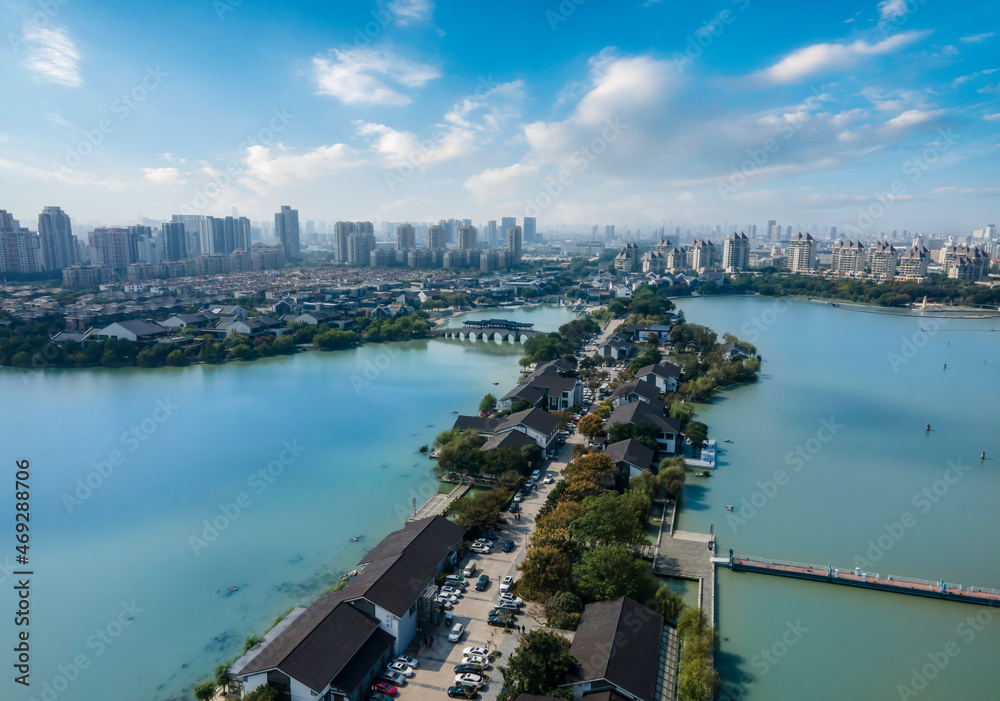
[(436, 671)]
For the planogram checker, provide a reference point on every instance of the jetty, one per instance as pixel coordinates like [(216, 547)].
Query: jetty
[(687, 555), (707, 459), (865, 580), (439, 504)]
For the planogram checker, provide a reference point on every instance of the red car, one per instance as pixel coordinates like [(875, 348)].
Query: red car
[(501, 519), (386, 688)]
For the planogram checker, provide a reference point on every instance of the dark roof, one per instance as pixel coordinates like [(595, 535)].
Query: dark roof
[(398, 571), (631, 451), (355, 674), (140, 327), (536, 419), (553, 382), (660, 370), (736, 347), (482, 424), (526, 392), (647, 390), (535, 697), (642, 412), (553, 367), (329, 647), (508, 439), (619, 641)]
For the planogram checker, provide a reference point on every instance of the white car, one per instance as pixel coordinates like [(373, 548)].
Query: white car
[(484, 542), (404, 669), (507, 606), (480, 549), (518, 498), (477, 659), (448, 606), (549, 479), (470, 678), (456, 633), (476, 651), (454, 580), (451, 590), (408, 661), (506, 584), (448, 597), (513, 599)]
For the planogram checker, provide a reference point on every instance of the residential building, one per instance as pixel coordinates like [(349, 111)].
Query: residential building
[(77, 276), (617, 650), (55, 232), (194, 225), (882, 261), (735, 351), (174, 241), (530, 234), (848, 258), (668, 431), (436, 238), (630, 456), (539, 425), (506, 223), (736, 253), (286, 230), (628, 260), (616, 347), (467, 238), (19, 247), (665, 376), (913, 264), (965, 262), (802, 253), (514, 245), (635, 391), (360, 247), (406, 237), (114, 247), (135, 330), (701, 255)]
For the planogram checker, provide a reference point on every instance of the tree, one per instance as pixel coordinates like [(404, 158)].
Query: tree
[(520, 405), (563, 610), (545, 569), (488, 404), (176, 358), (590, 425), (608, 519), (263, 693), (458, 451), (537, 666), (204, 690), (669, 603), (222, 674), (609, 571), (697, 433), (672, 474), (683, 412)]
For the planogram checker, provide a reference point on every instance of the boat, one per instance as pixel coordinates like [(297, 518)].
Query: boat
[(702, 474), (233, 589), (496, 383), (729, 507)]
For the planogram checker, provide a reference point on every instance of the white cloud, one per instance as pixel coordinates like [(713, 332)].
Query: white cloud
[(972, 76), (891, 9), (499, 182), (910, 118), (262, 168), (411, 11), (165, 176), (52, 55), (369, 76), (817, 58), (977, 38), (995, 117), (402, 147)]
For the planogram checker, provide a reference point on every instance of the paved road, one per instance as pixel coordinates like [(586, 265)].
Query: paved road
[(436, 671)]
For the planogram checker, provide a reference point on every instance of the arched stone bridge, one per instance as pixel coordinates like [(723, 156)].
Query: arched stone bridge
[(499, 330)]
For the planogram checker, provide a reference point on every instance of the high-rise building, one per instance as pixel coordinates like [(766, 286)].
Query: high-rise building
[(114, 247), (833, 233), (514, 245), (195, 227), (491, 232), (406, 237), (19, 247), (174, 241), (359, 247), (773, 230), (848, 258), (913, 263), (788, 232), (286, 229), (437, 239), (342, 231), (467, 238), (701, 255), (802, 253), (530, 235), (56, 238), (505, 224), (736, 253), (628, 260), (882, 261), (609, 232)]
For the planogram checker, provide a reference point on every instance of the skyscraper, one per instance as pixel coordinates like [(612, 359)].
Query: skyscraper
[(773, 233), (286, 229), (194, 226), (19, 248), (802, 253), (514, 244), (530, 235), (491, 232), (436, 238), (57, 243), (406, 237), (360, 246), (609, 232), (174, 241), (736, 253), (342, 231), (467, 238), (505, 224)]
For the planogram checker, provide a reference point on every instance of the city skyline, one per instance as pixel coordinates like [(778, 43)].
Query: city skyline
[(882, 112)]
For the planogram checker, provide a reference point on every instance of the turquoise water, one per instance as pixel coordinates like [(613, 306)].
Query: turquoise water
[(878, 380), (356, 420)]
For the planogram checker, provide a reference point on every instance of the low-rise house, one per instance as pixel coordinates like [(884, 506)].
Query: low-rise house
[(485, 426), (507, 439), (551, 392), (666, 376), (630, 456), (617, 649), (735, 351), (135, 330), (315, 318), (226, 311), (616, 347), (541, 426), (635, 391), (668, 431), (197, 320)]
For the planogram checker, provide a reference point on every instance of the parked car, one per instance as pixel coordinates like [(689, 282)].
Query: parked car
[(506, 583), (481, 651), (534, 475), (500, 621), (386, 688), (401, 668), (480, 549), (470, 678), (508, 606), (518, 497), (378, 696), (447, 597), (549, 479), (508, 546), (514, 508), (468, 667), (392, 677), (484, 541), (462, 691), (454, 591), (456, 633), (455, 581), (483, 583), (487, 536), (408, 661), (503, 613), (477, 659), (501, 519), (448, 606)]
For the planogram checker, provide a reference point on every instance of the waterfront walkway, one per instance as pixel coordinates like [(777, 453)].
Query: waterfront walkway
[(687, 555), (439, 503), (865, 580)]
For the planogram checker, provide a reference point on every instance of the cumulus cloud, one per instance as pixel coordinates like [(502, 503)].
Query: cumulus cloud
[(369, 76), (264, 168), (411, 11), (820, 58), (499, 182), (402, 147), (52, 55), (165, 176)]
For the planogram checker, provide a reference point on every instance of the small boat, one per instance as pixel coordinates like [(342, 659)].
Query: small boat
[(496, 383), (233, 589), (702, 474), (928, 427), (729, 507), (729, 440), (352, 573)]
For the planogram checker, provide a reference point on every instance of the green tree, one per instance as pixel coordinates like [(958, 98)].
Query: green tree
[(204, 690), (263, 693), (609, 571), (520, 405), (176, 358), (608, 519), (537, 666), (563, 610), (545, 569), (590, 425), (683, 412), (489, 404), (697, 433), (669, 603), (673, 471)]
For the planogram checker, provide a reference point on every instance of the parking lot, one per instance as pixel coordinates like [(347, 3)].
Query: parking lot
[(436, 670)]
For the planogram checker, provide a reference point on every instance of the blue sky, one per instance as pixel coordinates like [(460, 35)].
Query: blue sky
[(862, 115)]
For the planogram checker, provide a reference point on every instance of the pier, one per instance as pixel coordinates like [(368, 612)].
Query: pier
[(686, 555), (440, 503), (865, 580)]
